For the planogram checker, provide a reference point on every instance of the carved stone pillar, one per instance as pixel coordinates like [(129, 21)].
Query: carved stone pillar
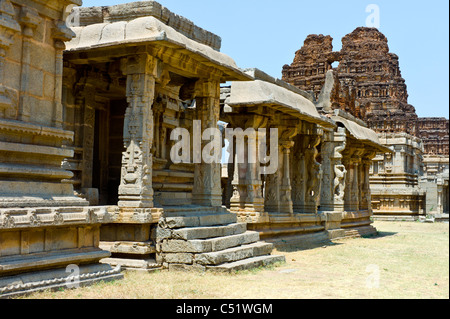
[(286, 205), (135, 190), (313, 168), (85, 104), (298, 175), (30, 19), (357, 179), (247, 178), (348, 182), (61, 34), (326, 189), (365, 194), (278, 189), (207, 186), (354, 191)]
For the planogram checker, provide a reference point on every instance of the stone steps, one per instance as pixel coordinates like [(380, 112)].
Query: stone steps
[(234, 254), (211, 244), (214, 241), (190, 233), (248, 263)]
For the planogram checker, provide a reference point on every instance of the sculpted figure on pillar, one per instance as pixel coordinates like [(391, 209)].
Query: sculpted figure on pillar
[(339, 169), (314, 171)]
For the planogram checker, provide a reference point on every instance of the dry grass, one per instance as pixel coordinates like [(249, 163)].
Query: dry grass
[(412, 259)]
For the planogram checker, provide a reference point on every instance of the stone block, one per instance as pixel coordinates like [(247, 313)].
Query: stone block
[(185, 267), (190, 246), (181, 258), (35, 80), (49, 86), (234, 254), (209, 232), (248, 263)]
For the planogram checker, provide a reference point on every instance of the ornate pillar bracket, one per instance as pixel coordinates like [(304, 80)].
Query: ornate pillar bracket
[(8, 27), (135, 190)]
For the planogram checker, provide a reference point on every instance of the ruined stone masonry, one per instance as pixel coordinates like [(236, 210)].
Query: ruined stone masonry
[(367, 83), (370, 84)]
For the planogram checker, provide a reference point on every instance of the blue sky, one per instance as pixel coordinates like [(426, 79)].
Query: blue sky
[(266, 33)]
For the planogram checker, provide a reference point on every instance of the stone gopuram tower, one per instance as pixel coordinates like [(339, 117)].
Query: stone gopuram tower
[(368, 84)]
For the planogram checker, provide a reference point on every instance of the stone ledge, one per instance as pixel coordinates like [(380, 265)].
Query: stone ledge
[(19, 218), (123, 247), (234, 254), (14, 286), (253, 262), (19, 263), (35, 129)]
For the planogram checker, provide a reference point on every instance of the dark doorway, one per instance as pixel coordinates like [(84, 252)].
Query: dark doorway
[(108, 148)]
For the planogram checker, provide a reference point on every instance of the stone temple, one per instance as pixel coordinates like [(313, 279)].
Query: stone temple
[(367, 83), (95, 118)]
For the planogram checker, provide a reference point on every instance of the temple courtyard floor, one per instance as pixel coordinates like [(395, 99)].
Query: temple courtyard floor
[(406, 260)]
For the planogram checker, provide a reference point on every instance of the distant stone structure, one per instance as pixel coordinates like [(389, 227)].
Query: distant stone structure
[(434, 131), (435, 181), (368, 84), (394, 180)]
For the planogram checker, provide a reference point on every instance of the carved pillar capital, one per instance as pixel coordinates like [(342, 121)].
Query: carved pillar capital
[(30, 19)]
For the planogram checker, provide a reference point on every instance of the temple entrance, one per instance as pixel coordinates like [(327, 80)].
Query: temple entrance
[(108, 148)]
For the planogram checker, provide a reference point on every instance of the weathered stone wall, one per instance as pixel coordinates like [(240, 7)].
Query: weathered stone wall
[(44, 227), (32, 139)]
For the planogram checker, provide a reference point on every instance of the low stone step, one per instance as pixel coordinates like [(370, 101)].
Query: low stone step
[(234, 254), (209, 245), (198, 221), (248, 263), (124, 247), (190, 233), (132, 264)]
